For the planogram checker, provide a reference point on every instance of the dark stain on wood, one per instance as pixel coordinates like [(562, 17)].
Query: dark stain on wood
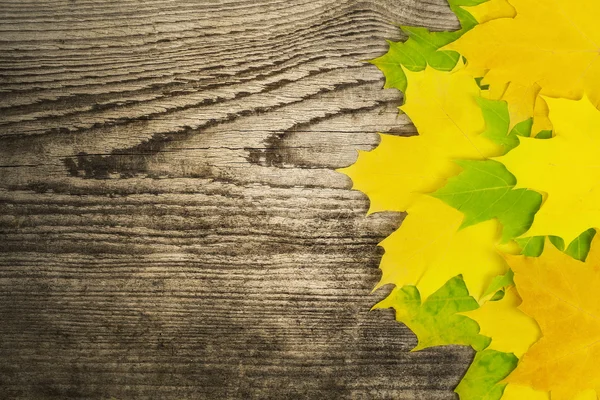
[(171, 224)]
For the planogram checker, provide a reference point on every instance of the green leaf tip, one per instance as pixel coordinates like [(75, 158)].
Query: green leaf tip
[(499, 283)]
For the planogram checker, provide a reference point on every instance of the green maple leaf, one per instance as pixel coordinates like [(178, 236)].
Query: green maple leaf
[(578, 248), (485, 190), (422, 48), (436, 321), (482, 380)]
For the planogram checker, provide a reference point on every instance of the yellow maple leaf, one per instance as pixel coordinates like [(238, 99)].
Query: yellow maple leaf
[(500, 319), (552, 43), (429, 249), (565, 168), (561, 293), (442, 106)]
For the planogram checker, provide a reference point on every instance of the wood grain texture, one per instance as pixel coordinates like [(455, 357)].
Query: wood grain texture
[(171, 224)]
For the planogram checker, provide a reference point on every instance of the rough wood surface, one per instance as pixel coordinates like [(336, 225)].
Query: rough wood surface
[(171, 224)]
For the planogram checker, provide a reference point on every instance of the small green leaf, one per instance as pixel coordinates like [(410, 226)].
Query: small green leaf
[(436, 321), (482, 380), (484, 190)]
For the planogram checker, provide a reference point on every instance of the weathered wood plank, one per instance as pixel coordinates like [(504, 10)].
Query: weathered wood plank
[(171, 224)]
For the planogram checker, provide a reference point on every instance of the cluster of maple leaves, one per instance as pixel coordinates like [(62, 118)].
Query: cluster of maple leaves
[(501, 187)]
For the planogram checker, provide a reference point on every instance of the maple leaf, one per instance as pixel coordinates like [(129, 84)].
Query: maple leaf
[(421, 49), (483, 378), (429, 249), (444, 109), (561, 293), (564, 167), (484, 190), (551, 43), (436, 321)]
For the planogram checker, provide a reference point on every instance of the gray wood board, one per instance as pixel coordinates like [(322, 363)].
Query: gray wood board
[(171, 224)]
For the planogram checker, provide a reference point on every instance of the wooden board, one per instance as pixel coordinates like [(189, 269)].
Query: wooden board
[(171, 224)]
